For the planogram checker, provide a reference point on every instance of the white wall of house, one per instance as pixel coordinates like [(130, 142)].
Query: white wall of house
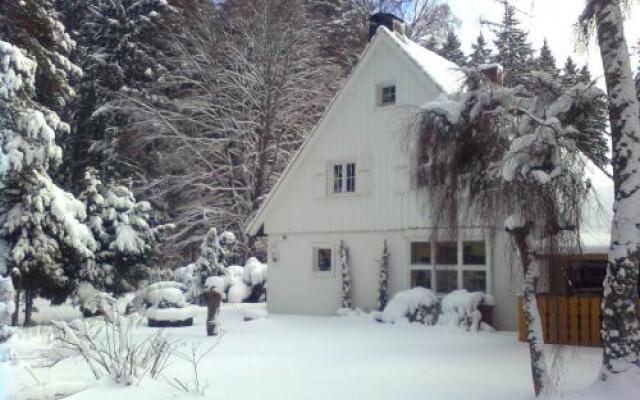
[(303, 212)]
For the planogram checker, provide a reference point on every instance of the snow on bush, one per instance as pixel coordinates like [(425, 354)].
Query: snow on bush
[(238, 292), (460, 309), (7, 307), (91, 300), (413, 305), (255, 272)]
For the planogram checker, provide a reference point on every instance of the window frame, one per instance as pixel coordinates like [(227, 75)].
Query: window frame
[(315, 251), (459, 267), (380, 93), (344, 167)]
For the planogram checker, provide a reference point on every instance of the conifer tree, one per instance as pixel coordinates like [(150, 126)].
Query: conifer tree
[(480, 53), (452, 51), (514, 51), (346, 276), (546, 62), (383, 282)]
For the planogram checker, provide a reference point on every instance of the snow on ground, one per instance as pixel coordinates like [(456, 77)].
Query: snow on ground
[(304, 358)]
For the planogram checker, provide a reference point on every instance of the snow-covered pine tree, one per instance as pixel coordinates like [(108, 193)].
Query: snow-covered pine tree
[(118, 55), (514, 51), (480, 54), (525, 152), (347, 301), (41, 224), (98, 272), (451, 50), (546, 62), (383, 280), (620, 327), (7, 307), (213, 251)]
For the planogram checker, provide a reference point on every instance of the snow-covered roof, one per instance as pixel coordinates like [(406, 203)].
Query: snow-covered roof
[(443, 73)]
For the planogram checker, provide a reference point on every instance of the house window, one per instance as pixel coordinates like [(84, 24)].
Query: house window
[(344, 178), (387, 95), (447, 253), (473, 253), (444, 271), (420, 253), (421, 278), (474, 281), (322, 260), (337, 178)]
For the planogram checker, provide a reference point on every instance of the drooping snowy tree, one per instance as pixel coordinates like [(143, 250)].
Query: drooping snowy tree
[(620, 327), (213, 251), (518, 154), (546, 62), (346, 276), (451, 49), (383, 280), (480, 54), (514, 51)]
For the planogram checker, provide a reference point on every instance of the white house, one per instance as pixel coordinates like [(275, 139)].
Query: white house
[(352, 181)]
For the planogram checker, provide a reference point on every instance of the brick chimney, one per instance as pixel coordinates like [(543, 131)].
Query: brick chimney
[(389, 21)]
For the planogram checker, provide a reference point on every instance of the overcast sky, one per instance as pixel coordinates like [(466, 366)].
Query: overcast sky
[(551, 19)]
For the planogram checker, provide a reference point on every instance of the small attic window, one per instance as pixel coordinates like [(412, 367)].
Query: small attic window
[(387, 95)]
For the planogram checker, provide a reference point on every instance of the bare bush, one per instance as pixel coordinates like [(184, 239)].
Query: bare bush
[(193, 357)]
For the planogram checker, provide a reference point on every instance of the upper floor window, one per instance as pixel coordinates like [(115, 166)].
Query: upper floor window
[(387, 95), (344, 178), (322, 259)]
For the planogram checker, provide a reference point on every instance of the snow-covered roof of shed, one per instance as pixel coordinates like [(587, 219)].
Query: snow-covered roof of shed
[(443, 72)]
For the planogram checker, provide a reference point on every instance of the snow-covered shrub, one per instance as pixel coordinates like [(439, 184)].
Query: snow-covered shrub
[(111, 350), (7, 307), (413, 305), (92, 301), (238, 292), (255, 276), (460, 309)]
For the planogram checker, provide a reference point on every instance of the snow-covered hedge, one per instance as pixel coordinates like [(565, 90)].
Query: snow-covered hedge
[(7, 307), (459, 308), (413, 305)]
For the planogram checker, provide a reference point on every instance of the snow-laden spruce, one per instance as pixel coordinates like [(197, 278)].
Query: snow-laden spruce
[(383, 278), (7, 307), (346, 276)]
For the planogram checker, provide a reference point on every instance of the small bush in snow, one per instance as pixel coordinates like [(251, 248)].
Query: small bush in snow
[(413, 305), (7, 307), (460, 309), (92, 302)]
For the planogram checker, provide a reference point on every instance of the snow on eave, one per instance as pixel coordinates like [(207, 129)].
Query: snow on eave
[(406, 46)]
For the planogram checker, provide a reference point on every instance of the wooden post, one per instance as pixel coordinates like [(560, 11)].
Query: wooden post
[(213, 310)]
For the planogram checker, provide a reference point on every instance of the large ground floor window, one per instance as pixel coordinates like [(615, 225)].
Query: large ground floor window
[(445, 266)]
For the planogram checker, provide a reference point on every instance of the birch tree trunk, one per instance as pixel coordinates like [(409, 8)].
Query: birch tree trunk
[(535, 335), (619, 322)]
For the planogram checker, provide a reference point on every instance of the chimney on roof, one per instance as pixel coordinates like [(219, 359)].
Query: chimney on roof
[(389, 21)]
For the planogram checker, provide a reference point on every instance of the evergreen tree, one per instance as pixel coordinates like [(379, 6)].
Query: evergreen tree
[(480, 53), (213, 251), (346, 276), (451, 50), (514, 51), (545, 61), (383, 282), (120, 58)]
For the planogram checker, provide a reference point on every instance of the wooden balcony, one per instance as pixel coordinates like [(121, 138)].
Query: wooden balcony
[(567, 319)]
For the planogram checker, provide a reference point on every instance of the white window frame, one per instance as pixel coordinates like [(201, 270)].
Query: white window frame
[(314, 259), (459, 267), (380, 94), (343, 179)]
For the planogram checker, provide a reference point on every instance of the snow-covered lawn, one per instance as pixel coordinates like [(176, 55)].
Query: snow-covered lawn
[(295, 357)]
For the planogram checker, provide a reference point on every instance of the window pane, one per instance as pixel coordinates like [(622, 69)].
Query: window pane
[(447, 253), (420, 253), (446, 281), (587, 277), (351, 177), (473, 253), (474, 281), (323, 260), (421, 278), (337, 178), (388, 95)]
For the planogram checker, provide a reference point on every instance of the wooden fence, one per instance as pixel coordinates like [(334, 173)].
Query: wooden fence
[(565, 319)]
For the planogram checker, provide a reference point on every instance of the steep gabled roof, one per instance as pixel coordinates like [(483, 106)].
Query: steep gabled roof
[(443, 73)]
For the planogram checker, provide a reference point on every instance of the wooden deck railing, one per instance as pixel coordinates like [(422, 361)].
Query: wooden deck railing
[(571, 320)]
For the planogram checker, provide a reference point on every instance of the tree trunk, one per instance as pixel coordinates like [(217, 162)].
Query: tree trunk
[(213, 310), (15, 317), (28, 307), (535, 335), (620, 333)]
